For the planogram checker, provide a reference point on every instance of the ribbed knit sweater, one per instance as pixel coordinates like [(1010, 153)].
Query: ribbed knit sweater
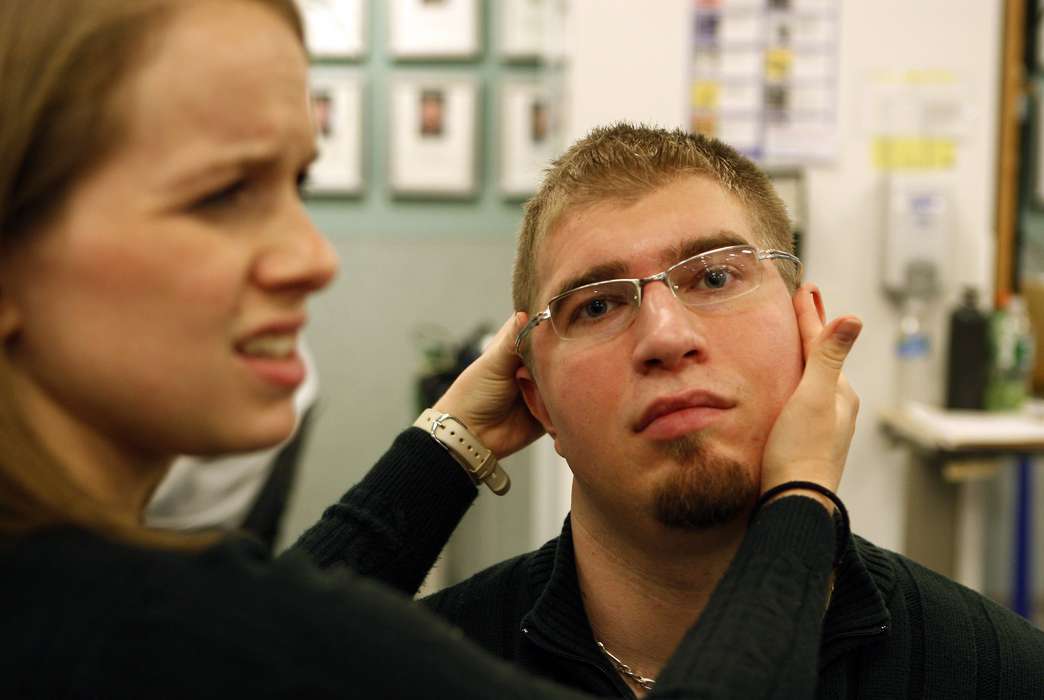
[(893, 630), (86, 616)]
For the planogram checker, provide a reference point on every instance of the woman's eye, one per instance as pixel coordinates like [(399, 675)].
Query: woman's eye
[(226, 196)]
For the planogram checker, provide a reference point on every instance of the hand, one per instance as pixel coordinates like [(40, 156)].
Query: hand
[(487, 399), (810, 438)]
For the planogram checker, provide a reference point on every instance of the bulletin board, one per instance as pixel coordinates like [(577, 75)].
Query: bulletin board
[(763, 77)]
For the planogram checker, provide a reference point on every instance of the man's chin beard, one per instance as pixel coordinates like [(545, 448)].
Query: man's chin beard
[(706, 491)]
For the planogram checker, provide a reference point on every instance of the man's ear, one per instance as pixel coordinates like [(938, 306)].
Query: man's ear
[(535, 402), (817, 297)]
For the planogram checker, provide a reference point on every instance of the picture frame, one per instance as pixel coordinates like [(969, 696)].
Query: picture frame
[(1037, 114), (522, 29), (434, 29), (1038, 7), (529, 135), (337, 106), (336, 29), (433, 129)]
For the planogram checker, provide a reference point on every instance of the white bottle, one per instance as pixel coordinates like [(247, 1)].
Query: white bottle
[(913, 357)]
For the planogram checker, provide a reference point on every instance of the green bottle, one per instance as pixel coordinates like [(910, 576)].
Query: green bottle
[(1011, 347)]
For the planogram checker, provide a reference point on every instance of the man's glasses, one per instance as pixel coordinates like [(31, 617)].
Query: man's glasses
[(604, 309)]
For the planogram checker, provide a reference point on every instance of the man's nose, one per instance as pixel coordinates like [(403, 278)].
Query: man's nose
[(669, 334), (299, 257)]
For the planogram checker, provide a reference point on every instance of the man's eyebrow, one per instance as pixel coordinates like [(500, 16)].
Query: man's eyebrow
[(599, 273), (617, 269), (695, 246)]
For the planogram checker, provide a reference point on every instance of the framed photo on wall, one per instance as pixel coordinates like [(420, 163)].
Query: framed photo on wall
[(1038, 164), (529, 135), (337, 109), (523, 28), (433, 136), (335, 28), (433, 29)]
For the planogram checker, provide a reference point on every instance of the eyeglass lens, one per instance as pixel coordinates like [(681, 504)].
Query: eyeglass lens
[(607, 308)]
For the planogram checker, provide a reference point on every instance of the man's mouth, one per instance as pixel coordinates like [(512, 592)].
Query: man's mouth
[(680, 413)]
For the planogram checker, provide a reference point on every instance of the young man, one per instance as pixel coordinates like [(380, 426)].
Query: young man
[(664, 340)]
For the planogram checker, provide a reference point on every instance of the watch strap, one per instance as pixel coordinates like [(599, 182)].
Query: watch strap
[(478, 461)]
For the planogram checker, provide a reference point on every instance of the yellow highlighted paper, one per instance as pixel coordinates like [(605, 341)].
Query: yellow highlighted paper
[(705, 94), (914, 153)]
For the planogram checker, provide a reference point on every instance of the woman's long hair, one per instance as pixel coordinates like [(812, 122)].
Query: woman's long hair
[(63, 68)]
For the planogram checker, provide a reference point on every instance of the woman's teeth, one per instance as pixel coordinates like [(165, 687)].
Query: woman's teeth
[(276, 346)]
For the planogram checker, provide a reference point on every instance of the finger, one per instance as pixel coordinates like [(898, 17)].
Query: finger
[(520, 318), (509, 328), (808, 309), (512, 327), (829, 351), (500, 352)]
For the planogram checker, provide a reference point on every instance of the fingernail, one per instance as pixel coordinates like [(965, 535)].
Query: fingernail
[(848, 331)]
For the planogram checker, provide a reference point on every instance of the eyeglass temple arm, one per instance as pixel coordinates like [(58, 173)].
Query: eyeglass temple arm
[(533, 323), (778, 255)]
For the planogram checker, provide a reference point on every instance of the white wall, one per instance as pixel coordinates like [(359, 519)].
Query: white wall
[(629, 61)]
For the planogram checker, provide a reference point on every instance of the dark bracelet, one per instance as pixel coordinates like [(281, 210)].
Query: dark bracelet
[(842, 528)]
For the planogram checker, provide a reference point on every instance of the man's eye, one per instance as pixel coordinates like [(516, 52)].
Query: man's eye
[(717, 278), (592, 309), (226, 196), (595, 308)]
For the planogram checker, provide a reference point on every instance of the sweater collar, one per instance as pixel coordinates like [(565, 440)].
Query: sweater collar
[(558, 616), (558, 621), (857, 612)]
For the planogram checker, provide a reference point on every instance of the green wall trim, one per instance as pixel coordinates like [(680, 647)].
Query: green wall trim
[(377, 212)]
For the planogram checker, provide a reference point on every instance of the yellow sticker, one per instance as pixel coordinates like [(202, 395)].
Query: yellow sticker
[(913, 153), (778, 63), (705, 94)]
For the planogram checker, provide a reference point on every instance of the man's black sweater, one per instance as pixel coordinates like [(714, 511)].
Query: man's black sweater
[(893, 629)]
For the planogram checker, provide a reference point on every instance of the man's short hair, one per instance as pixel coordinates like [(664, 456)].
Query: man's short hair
[(623, 162)]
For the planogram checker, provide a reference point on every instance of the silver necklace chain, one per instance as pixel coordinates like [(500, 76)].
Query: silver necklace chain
[(621, 667)]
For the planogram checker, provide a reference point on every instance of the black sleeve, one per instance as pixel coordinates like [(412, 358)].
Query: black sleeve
[(232, 623), (760, 633), (392, 525), (758, 637)]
